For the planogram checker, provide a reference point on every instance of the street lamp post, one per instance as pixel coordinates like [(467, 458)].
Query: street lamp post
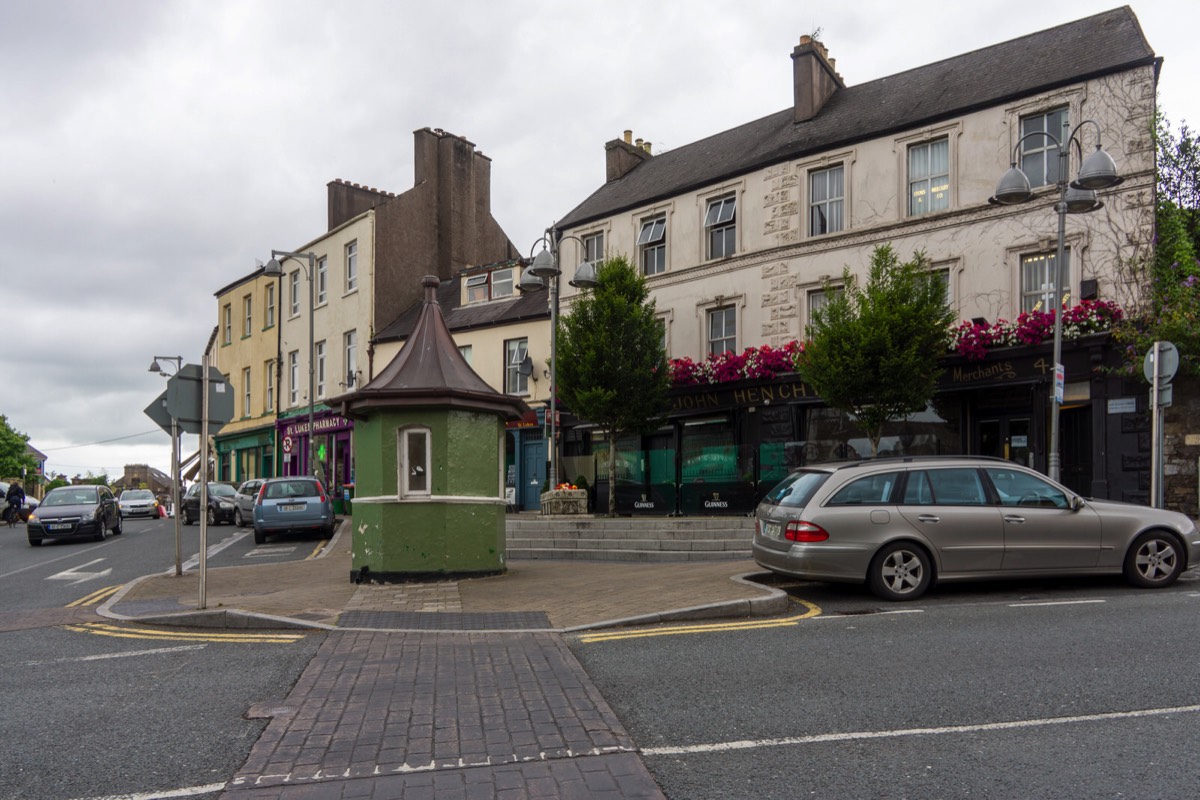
[(1097, 171), (545, 271), (274, 269), (156, 367)]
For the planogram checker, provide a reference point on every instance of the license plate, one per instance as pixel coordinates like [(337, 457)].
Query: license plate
[(61, 526), (772, 529), (292, 507)]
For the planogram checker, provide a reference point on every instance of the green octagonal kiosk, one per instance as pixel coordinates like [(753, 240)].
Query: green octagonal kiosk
[(429, 461)]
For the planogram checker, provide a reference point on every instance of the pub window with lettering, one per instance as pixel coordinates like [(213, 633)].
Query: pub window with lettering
[(1037, 280), (929, 177)]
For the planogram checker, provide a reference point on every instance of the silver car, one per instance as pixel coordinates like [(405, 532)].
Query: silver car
[(139, 502), (900, 525)]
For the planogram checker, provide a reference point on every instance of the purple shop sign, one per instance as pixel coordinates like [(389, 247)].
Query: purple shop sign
[(329, 423)]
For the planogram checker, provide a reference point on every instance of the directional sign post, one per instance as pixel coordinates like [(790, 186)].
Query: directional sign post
[(158, 412), (185, 401), (1159, 367)]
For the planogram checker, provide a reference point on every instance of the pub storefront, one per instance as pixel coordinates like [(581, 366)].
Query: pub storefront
[(723, 446)]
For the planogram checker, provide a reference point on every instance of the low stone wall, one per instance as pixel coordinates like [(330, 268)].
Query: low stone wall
[(1181, 448)]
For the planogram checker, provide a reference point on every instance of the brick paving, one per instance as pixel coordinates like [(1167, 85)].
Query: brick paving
[(416, 715)]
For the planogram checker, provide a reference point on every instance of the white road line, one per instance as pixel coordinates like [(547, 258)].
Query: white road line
[(190, 791), (72, 554), (213, 549), (104, 656), (1057, 603), (896, 734)]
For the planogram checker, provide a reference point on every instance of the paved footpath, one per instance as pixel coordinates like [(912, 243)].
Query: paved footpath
[(441, 715)]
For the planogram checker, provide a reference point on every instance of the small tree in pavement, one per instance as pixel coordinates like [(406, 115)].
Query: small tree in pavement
[(611, 365), (873, 349)]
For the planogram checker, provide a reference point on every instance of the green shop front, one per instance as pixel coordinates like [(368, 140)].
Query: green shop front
[(245, 454), (723, 446)]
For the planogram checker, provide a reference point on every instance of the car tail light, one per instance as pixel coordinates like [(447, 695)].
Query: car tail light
[(800, 531), (262, 490)]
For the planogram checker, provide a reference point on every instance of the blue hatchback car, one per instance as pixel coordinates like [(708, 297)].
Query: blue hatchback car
[(296, 504)]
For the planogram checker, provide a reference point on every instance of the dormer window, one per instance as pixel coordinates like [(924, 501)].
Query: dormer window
[(492, 285)]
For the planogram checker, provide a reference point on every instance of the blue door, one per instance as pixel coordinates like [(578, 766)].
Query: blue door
[(533, 473)]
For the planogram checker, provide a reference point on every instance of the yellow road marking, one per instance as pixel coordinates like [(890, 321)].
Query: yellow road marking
[(715, 627), (115, 631), (95, 597), (317, 551)]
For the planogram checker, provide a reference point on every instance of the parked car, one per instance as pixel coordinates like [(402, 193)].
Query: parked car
[(902, 524), (139, 503), (26, 508), (247, 493), (292, 505), (221, 506), (75, 511)]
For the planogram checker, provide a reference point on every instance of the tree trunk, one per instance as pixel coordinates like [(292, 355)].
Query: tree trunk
[(612, 474)]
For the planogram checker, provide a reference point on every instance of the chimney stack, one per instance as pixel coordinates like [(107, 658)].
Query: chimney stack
[(622, 155), (814, 78)]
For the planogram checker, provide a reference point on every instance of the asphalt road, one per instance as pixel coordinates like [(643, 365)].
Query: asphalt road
[(93, 709), (1072, 690)]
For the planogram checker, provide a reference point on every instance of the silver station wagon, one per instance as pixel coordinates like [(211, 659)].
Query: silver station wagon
[(900, 525)]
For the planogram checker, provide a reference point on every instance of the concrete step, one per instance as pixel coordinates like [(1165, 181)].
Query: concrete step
[(656, 539), (637, 556)]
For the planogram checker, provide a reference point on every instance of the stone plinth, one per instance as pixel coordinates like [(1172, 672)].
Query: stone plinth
[(564, 501)]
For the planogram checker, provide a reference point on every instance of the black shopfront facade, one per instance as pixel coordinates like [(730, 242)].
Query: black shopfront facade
[(723, 446)]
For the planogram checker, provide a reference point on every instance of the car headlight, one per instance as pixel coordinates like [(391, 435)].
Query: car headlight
[(226, 506), (33, 517)]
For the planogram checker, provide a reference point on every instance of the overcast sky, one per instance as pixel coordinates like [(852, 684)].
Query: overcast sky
[(152, 150)]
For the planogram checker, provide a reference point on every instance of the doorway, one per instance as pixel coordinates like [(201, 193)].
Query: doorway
[(533, 460), (1007, 436)]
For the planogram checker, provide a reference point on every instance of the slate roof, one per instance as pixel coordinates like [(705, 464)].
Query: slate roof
[(1103, 44), (520, 308)]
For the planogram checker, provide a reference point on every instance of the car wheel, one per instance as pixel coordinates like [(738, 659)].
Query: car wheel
[(900, 571), (100, 532), (212, 517), (187, 518), (259, 537), (238, 519), (1154, 560), (117, 528)]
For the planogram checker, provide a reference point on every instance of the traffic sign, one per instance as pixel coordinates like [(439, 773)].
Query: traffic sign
[(157, 411), (185, 402), (287, 444), (1168, 362)]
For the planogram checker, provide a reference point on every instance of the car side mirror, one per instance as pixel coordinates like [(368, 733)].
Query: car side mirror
[(1077, 503)]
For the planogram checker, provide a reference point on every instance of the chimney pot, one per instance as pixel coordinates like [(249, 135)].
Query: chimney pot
[(628, 137), (638, 143)]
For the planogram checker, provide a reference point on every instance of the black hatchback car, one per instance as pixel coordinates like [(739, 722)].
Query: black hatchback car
[(221, 505), (75, 511)]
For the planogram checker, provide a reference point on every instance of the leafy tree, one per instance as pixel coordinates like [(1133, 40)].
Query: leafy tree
[(15, 460), (612, 368), (57, 481), (874, 349), (1168, 309), (1179, 174)]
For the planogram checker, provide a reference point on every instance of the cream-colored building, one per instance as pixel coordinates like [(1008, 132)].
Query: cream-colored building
[(740, 233), (333, 294)]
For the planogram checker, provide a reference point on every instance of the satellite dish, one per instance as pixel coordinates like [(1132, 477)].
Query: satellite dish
[(526, 367)]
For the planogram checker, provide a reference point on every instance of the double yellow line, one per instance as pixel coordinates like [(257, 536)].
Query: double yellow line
[(96, 597), (714, 627), (119, 632)]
